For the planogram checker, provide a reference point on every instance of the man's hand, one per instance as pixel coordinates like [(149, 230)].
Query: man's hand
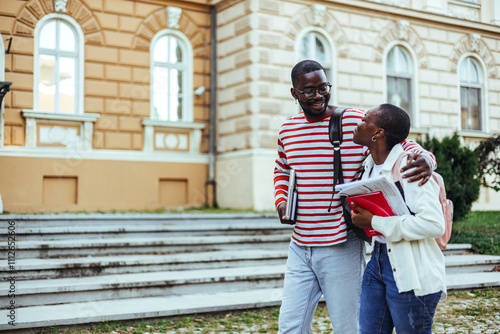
[(281, 213), (422, 171), (361, 217)]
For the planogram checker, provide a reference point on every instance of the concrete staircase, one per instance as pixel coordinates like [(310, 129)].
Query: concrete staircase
[(81, 268)]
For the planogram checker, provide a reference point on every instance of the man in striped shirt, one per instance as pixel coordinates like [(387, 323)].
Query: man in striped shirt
[(325, 257)]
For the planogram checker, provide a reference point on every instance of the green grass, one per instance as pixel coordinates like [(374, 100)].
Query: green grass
[(481, 229), (264, 320)]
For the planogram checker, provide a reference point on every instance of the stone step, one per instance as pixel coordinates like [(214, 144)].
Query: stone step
[(139, 308), (146, 229), (469, 263), (146, 284), (44, 268), (165, 283), (131, 266), (165, 306), (86, 246), (118, 219), (133, 245), (457, 249), (126, 264), (465, 281)]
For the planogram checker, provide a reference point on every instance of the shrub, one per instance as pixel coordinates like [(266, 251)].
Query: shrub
[(458, 166), (488, 154), (481, 229)]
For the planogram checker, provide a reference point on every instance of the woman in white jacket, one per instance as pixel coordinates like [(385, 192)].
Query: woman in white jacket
[(405, 277)]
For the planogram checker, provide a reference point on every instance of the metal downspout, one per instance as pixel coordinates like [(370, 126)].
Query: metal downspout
[(212, 149)]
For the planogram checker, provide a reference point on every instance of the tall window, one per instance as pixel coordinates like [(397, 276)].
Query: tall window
[(171, 78), (399, 78), (470, 94), (58, 69), (314, 46)]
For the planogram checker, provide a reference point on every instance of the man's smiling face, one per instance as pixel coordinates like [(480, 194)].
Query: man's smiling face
[(315, 107)]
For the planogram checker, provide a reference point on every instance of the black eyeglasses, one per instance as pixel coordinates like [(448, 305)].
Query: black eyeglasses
[(310, 93)]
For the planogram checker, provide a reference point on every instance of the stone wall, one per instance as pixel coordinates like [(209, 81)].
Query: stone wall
[(117, 163), (118, 34), (256, 51)]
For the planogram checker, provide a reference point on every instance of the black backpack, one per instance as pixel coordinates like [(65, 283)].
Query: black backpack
[(335, 135)]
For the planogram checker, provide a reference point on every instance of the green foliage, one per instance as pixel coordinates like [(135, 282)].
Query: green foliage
[(481, 243), (481, 229), (458, 166), (488, 154)]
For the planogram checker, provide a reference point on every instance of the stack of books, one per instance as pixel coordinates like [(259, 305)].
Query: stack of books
[(377, 195), (291, 200)]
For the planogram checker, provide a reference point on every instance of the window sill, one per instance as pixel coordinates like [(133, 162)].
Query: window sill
[(474, 134), (172, 136), (419, 131), (51, 129), (60, 116)]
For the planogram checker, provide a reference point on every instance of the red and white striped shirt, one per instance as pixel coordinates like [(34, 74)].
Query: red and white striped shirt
[(304, 145)]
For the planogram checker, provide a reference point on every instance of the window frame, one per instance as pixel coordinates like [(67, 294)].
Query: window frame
[(413, 77), (187, 88), (483, 96), (330, 55), (79, 62)]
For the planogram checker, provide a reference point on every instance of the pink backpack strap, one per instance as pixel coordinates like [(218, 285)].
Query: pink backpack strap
[(396, 174)]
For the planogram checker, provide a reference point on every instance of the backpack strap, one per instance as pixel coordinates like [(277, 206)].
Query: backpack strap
[(335, 136), (396, 176), (335, 127)]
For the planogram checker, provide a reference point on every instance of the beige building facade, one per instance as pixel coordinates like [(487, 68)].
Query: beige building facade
[(125, 105)]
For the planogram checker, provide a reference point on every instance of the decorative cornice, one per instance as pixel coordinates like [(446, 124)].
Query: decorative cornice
[(34, 10), (157, 21), (318, 14), (173, 16), (462, 12), (60, 6), (401, 30), (474, 42), (302, 20), (398, 3), (403, 27)]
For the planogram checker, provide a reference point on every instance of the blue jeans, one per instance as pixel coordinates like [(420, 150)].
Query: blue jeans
[(383, 307), (334, 272)]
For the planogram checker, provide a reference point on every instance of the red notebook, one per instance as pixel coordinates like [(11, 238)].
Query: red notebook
[(374, 202)]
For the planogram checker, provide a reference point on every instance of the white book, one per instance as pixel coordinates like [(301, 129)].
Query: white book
[(291, 200), (366, 186)]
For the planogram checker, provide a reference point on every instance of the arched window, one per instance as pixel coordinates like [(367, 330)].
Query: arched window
[(314, 46), (171, 77), (399, 78), (58, 76), (471, 83)]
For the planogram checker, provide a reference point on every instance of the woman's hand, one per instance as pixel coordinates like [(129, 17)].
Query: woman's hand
[(422, 171), (361, 217)]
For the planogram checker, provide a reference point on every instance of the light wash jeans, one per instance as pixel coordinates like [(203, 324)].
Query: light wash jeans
[(333, 271), (384, 308)]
